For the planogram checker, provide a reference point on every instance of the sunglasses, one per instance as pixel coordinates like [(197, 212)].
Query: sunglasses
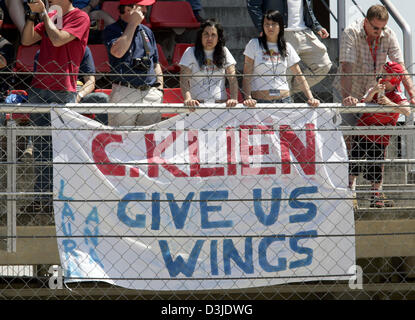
[(374, 27)]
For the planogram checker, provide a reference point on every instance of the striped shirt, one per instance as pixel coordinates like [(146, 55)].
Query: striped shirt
[(355, 49)]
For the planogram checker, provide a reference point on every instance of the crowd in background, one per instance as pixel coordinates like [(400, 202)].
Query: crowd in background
[(287, 33)]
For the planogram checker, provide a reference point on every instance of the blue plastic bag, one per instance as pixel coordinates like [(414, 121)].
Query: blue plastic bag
[(15, 98)]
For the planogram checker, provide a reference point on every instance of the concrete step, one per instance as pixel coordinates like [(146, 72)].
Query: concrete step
[(393, 174), (402, 195), (384, 214), (229, 15)]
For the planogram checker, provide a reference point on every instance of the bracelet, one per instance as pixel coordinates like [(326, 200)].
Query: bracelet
[(160, 89), (42, 15), (80, 95)]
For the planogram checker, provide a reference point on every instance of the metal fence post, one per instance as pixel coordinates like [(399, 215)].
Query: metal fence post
[(11, 186), (408, 58)]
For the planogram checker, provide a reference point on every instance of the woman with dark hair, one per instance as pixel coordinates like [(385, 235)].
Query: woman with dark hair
[(267, 58), (205, 66)]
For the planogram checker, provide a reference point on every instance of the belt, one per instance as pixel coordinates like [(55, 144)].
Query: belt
[(141, 87)]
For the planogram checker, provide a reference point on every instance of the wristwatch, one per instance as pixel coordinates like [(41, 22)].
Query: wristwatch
[(31, 16)]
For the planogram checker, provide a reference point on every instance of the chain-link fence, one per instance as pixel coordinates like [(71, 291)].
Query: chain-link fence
[(133, 195)]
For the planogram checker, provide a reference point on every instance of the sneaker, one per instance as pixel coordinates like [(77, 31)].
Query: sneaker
[(380, 201), (27, 155)]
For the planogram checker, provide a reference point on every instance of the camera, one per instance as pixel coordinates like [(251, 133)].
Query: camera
[(141, 64)]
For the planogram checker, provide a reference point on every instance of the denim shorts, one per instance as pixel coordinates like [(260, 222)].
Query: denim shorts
[(282, 100)]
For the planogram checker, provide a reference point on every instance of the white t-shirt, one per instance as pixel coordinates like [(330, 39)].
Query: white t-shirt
[(273, 64), (211, 87), (295, 16)]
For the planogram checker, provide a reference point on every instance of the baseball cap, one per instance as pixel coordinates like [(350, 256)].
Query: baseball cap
[(394, 67), (139, 2)]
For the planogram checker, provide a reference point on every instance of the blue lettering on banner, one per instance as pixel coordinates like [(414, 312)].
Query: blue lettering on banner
[(230, 252), (267, 220), (69, 245), (179, 215), (214, 257), (176, 266), (308, 251), (205, 209), (233, 258), (91, 237), (140, 219), (155, 211), (295, 204), (262, 253)]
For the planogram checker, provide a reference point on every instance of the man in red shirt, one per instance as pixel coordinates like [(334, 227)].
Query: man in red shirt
[(63, 33), (372, 147), (61, 49)]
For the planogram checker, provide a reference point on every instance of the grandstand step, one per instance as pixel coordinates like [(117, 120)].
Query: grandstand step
[(402, 195), (228, 15), (394, 173), (394, 213)]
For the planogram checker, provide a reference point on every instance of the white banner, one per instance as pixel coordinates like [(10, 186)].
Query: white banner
[(219, 199)]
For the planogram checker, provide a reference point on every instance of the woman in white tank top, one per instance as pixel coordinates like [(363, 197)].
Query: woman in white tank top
[(205, 67), (267, 59)]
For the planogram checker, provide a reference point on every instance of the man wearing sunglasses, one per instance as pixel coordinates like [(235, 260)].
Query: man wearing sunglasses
[(365, 46), (364, 49)]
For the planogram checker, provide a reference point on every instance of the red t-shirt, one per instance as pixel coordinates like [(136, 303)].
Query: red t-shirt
[(382, 119), (63, 59)]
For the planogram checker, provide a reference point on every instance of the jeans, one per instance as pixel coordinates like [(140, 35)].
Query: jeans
[(97, 97), (42, 146), (283, 100), (196, 5)]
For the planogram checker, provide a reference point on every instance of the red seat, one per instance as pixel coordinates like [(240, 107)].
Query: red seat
[(171, 95), (179, 49), (111, 7), (100, 55), (240, 96), (25, 58), (162, 58), (107, 91), (8, 26), (173, 14)]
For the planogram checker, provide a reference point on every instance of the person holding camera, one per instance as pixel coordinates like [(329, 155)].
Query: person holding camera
[(62, 47), (134, 57)]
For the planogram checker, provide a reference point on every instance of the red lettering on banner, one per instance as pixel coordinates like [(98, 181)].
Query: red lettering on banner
[(291, 144), (195, 169), (100, 156), (154, 152), (306, 156), (230, 151), (249, 150)]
